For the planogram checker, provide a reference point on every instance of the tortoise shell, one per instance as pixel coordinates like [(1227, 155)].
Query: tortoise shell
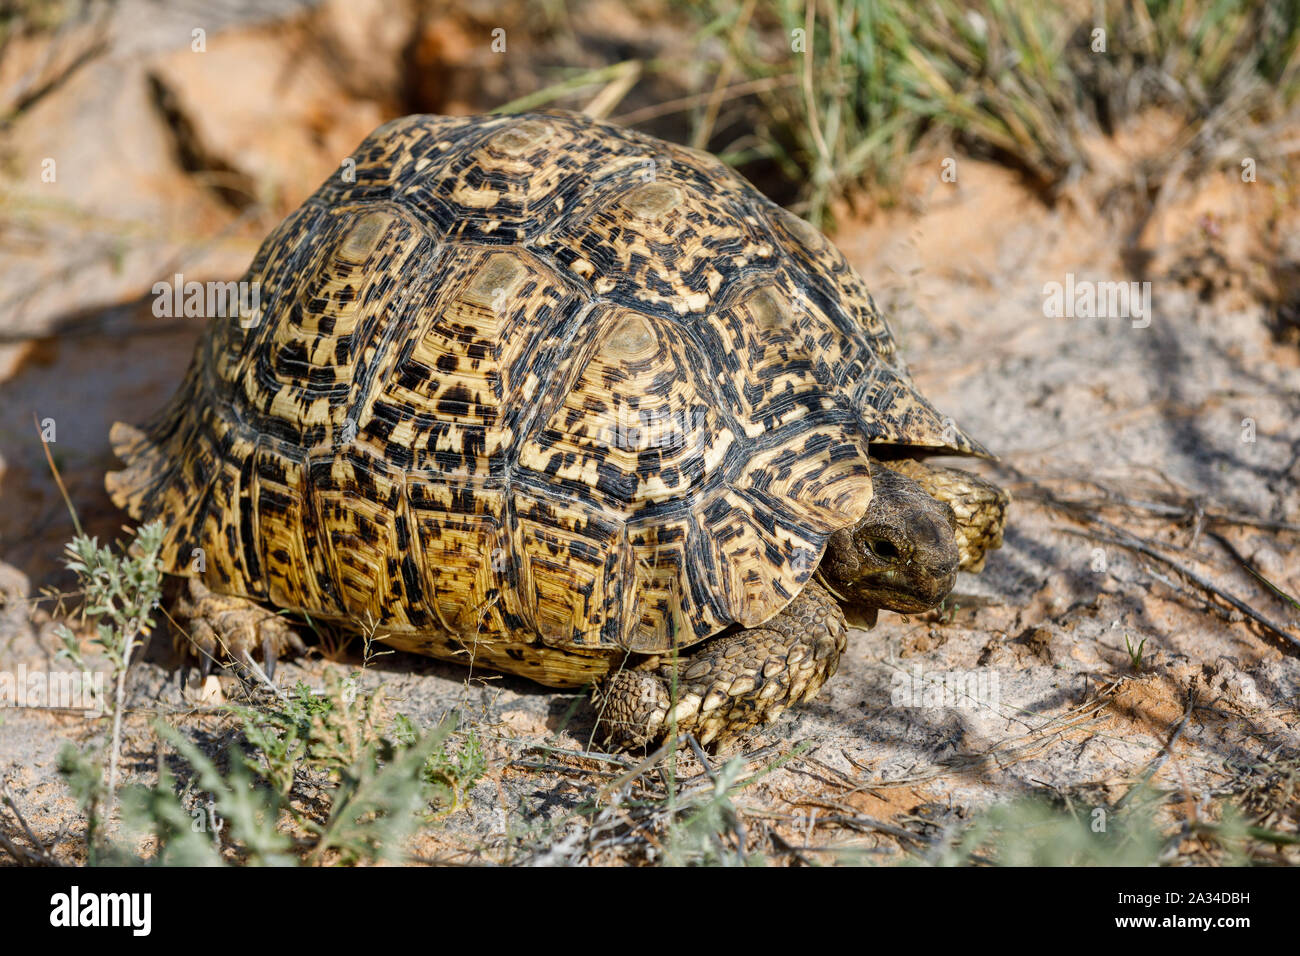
[(533, 381)]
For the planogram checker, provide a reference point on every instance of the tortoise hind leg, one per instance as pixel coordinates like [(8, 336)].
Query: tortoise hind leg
[(222, 626), (733, 682)]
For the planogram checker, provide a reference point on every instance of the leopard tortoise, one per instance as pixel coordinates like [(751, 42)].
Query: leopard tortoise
[(551, 397)]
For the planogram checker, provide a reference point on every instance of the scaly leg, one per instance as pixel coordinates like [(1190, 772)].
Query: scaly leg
[(731, 683)]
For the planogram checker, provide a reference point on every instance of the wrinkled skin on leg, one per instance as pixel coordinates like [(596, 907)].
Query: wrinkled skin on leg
[(732, 683)]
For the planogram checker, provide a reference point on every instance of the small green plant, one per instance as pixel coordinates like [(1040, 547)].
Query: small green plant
[(708, 831), (281, 737), (375, 778), (945, 613), (1033, 832), (243, 816), (121, 589), (1135, 653), (367, 760), (324, 778), (450, 774)]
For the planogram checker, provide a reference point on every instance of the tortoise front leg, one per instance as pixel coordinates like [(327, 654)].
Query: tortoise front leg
[(731, 683)]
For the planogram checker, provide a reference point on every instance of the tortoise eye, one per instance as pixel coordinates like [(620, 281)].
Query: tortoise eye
[(882, 549)]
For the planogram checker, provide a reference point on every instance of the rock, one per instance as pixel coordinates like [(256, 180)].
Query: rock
[(14, 585), (1229, 682), (210, 693)]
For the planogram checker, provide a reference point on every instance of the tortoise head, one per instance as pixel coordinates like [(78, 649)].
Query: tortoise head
[(902, 555)]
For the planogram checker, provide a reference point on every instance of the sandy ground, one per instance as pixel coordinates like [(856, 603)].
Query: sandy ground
[(1183, 432)]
